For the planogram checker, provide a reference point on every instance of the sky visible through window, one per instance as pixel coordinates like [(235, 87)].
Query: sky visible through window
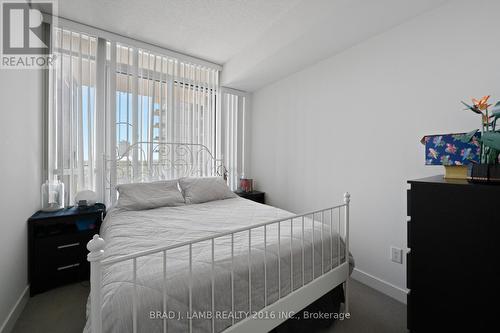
[(124, 120), (122, 107), (88, 98)]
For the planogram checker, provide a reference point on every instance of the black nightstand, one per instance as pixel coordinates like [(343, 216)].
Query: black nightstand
[(256, 196), (57, 241)]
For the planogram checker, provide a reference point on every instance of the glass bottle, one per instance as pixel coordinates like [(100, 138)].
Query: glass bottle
[(52, 195)]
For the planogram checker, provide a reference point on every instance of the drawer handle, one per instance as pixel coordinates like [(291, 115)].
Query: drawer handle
[(67, 245), (66, 267)]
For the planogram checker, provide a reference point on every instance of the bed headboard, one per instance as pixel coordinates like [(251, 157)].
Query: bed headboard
[(150, 161)]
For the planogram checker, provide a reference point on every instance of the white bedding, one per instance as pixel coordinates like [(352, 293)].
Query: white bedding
[(127, 232)]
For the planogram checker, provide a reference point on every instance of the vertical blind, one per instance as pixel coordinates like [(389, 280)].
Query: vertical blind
[(72, 111), (106, 96), (233, 112), (158, 99)]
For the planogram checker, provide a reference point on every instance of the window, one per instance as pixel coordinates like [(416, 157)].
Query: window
[(108, 93), (160, 99)]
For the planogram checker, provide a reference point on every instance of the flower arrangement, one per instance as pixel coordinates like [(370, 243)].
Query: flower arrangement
[(490, 136)]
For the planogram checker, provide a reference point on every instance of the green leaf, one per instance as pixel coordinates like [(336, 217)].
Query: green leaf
[(468, 136), (472, 108), (492, 140), (492, 156), (467, 105), (495, 111)]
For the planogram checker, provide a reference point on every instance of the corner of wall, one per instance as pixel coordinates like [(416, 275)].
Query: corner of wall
[(380, 285)]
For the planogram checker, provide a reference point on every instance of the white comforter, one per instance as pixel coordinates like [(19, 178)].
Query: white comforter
[(127, 232)]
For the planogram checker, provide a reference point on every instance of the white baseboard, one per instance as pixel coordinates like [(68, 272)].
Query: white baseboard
[(14, 314), (376, 283)]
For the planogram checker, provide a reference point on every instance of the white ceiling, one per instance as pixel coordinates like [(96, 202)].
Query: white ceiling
[(213, 30), (257, 41)]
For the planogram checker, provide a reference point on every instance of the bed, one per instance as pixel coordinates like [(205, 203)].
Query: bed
[(223, 265)]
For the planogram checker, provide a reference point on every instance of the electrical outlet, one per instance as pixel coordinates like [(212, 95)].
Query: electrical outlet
[(396, 255)]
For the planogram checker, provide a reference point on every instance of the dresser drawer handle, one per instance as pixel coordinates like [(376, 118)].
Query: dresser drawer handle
[(67, 245), (66, 267)]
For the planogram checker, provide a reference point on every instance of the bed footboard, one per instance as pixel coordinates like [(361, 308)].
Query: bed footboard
[(302, 292)]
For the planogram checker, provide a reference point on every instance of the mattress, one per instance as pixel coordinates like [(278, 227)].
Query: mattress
[(127, 232)]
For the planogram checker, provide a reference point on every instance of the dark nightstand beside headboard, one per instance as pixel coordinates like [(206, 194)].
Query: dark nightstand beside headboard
[(57, 252)]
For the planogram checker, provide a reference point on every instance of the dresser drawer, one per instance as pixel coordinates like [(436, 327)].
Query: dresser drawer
[(409, 310), (409, 242), (408, 202), (409, 269)]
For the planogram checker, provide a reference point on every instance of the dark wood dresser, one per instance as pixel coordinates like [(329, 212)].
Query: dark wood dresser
[(454, 242), (57, 252)]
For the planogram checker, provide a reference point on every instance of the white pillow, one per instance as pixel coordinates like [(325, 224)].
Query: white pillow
[(139, 196), (204, 189)]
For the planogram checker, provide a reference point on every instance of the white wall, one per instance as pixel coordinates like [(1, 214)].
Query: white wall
[(353, 122), (21, 105)]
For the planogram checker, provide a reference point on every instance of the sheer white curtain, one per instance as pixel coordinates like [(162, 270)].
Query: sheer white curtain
[(72, 112)]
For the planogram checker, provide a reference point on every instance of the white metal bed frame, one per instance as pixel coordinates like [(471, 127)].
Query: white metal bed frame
[(258, 321), (146, 161)]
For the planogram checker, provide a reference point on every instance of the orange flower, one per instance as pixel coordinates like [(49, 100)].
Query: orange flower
[(481, 104)]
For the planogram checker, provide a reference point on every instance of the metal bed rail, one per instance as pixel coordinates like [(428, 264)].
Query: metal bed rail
[(95, 257)]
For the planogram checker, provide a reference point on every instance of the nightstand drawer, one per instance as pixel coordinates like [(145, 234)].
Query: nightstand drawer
[(67, 226), (54, 275), (54, 269), (62, 249)]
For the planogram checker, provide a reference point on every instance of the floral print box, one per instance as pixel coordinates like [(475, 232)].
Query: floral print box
[(452, 149)]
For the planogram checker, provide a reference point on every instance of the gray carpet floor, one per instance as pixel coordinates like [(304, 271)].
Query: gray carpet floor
[(62, 310)]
